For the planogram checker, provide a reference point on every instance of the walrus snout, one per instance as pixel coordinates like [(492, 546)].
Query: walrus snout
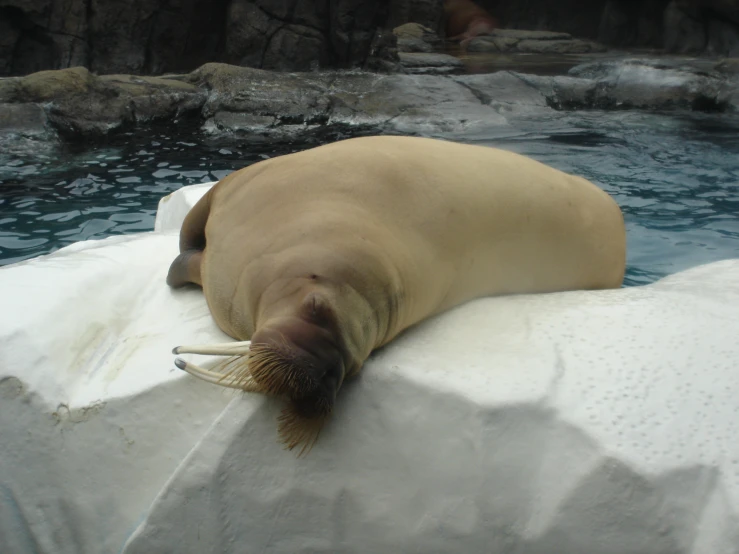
[(299, 359)]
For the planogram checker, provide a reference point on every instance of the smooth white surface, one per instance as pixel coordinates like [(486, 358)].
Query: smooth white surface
[(583, 422), (173, 208)]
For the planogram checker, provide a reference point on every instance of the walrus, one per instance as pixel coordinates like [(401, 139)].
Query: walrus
[(314, 259), (466, 20)]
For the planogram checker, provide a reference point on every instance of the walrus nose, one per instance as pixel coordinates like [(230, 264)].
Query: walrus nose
[(320, 402), (297, 358)]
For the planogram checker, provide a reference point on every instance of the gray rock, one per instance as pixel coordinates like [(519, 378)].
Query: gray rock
[(730, 90), (23, 119), (521, 34), (562, 92), (729, 66), (231, 122), (573, 46), (414, 37), (505, 91), (430, 64), (574, 17), (416, 30), (726, 10), (156, 36), (649, 84), (25, 128), (503, 41), (426, 104), (628, 24), (77, 102), (723, 38), (489, 43), (232, 100), (293, 98), (427, 13), (407, 44), (683, 33), (697, 26)]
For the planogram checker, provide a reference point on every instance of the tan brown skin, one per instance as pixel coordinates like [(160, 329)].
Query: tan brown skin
[(466, 20), (322, 256)]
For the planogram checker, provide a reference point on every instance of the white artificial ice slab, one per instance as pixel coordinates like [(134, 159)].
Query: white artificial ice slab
[(591, 422)]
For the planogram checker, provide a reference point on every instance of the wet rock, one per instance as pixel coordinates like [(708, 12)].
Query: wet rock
[(23, 119), (80, 103), (414, 37), (268, 98), (232, 100), (520, 34), (729, 67), (489, 43), (410, 44), (154, 98), (534, 42), (48, 85), (430, 64), (649, 84), (424, 104), (25, 128), (730, 91), (573, 46), (504, 91)]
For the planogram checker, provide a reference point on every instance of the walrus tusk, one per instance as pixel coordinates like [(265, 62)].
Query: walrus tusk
[(226, 374), (204, 374), (222, 349)]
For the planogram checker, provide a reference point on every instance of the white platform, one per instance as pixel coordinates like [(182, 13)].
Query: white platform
[(584, 422)]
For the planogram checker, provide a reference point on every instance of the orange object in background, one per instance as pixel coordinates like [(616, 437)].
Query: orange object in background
[(466, 20)]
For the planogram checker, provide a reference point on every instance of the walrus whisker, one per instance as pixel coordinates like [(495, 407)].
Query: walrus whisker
[(295, 430), (277, 371), (219, 349), (247, 385)]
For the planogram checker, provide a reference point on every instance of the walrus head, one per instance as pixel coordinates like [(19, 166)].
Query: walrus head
[(300, 357), (298, 352)]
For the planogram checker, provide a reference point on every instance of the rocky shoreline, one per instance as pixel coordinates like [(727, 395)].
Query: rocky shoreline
[(227, 101)]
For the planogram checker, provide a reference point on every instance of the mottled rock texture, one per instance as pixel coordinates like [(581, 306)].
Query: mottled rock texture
[(160, 36), (532, 42), (251, 103), (686, 26)]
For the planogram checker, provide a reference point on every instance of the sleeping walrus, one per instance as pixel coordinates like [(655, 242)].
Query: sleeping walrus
[(317, 258)]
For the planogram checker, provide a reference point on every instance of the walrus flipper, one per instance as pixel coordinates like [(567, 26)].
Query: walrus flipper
[(186, 267)]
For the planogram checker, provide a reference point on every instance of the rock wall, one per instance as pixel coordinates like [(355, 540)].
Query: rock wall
[(683, 26), (159, 36)]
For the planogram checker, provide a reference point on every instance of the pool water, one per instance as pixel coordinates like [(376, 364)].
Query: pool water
[(676, 178)]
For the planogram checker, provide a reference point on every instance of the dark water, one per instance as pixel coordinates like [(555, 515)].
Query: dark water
[(676, 178)]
